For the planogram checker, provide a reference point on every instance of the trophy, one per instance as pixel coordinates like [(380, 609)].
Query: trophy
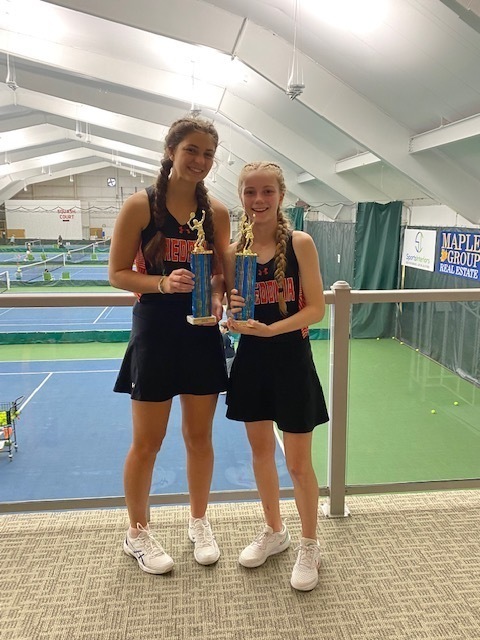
[(245, 273), (201, 266)]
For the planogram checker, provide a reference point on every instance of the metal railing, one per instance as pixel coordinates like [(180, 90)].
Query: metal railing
[(341, 298)]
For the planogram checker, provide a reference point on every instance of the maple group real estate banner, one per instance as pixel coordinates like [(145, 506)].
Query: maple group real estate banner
[(459, 254)]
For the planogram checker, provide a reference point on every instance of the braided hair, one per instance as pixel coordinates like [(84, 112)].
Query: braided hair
[(155, 249), (283, 232)]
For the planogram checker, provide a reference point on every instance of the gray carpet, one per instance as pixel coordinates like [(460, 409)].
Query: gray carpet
[(400, 567)]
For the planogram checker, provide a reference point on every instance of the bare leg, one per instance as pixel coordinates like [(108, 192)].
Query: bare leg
[(149, 427), (262, 442), (197, 419), (298, 452)]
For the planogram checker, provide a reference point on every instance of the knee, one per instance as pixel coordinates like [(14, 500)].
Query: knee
[(146, 449), (299, 471), (198, 443), (263, 454)]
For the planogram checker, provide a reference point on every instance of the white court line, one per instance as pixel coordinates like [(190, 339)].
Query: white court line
[(21, 327), (2, 313), (110, 309), (23, 405), (100, 315)]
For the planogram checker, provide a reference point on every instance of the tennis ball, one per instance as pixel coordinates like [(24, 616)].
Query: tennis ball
[(456, 403), (417, 350), (401, 342), (433, 411), (378, 338)]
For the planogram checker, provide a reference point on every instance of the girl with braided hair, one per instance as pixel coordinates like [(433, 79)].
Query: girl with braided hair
[(273, 376), (166, 356)]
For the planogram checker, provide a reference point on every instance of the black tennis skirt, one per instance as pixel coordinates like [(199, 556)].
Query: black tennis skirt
[(276, 380), (166, 356)]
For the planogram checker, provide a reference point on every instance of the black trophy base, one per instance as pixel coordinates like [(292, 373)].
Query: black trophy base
[(202, 320)]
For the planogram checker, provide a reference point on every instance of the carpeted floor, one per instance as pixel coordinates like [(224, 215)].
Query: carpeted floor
[(400, 567)]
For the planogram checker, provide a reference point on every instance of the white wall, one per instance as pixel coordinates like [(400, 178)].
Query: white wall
[(437, 216), (45, 218), (98, 203)]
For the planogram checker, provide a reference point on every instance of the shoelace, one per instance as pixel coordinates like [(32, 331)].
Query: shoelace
[(261, 539), (308, 556), (152, 545), (203, 534)]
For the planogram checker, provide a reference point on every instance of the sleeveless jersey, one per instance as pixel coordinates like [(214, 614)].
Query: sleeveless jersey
[(266, 293), (179, 242)]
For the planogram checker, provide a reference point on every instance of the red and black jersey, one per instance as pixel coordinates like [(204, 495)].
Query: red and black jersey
[(266, 291), (179, 242)]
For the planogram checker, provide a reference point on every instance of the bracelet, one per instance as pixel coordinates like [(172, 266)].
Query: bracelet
[(160, 284)]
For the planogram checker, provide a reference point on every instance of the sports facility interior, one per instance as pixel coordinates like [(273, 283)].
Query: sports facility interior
[(372, 110)]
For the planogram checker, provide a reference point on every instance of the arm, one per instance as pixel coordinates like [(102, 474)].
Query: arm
[(134, 216), (312, 285)]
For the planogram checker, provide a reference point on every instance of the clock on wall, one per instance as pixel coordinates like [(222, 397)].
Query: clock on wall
[(111, 182)]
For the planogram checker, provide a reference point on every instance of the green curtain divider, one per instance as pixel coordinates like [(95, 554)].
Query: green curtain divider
[(377, 247), (335, 243), (296, 215), (56, 337)]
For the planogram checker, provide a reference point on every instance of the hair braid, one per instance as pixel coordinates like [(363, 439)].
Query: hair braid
[(282, 236), (155, 248)]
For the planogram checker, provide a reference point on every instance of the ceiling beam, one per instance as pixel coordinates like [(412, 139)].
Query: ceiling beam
[(451, 132)]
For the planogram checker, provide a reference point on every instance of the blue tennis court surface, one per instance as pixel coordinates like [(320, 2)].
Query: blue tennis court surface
[(65, 319), (73, 434), (75, 272)]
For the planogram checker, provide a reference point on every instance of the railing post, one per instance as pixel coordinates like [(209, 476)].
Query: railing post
[(337, 434)]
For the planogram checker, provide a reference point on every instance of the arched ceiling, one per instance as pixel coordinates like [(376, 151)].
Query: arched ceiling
[(390, 109)]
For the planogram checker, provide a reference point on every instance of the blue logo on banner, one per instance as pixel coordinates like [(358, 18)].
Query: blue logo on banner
[(459, 254)]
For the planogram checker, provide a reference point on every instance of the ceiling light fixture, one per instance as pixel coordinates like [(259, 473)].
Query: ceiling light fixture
[(11, 80), (78, 129), (195, 110), (295, 84)]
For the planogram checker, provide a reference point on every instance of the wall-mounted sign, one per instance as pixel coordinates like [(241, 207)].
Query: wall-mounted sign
[(419, 249), (459, 253)]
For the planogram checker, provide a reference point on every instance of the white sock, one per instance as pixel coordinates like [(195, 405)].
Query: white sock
[(134, 532), (204, 519)]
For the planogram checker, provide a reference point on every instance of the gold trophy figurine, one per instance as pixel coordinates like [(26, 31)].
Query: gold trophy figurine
[(201, 266), (197, 225), (245, 272), (247, 231)]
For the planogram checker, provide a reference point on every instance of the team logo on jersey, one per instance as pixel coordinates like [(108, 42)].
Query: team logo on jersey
[(178, 249), (267, 292)]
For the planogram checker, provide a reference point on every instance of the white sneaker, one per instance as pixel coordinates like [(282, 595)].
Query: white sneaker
[(305, 571), (147, 551), (267, 543), (206, 549)]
